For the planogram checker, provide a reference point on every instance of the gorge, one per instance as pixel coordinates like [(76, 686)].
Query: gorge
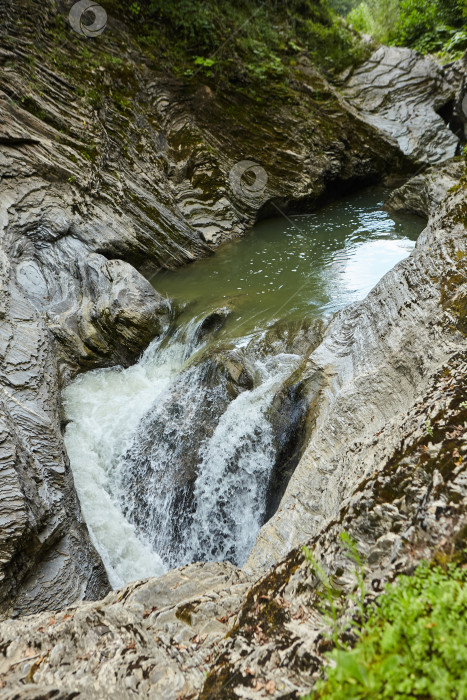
[(167, 426), (201, 373)]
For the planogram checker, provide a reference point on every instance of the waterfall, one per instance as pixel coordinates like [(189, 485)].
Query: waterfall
[(104, 408), (171, 458), (230, 491)]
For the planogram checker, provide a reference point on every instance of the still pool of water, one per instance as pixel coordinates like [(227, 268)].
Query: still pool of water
[(297, 266)]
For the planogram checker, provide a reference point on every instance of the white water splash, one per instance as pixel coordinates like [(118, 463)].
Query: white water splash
[(107, 410), (104, 408), (230, 492)]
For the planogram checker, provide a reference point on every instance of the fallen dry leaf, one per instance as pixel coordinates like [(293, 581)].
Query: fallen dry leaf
[(29, 653)]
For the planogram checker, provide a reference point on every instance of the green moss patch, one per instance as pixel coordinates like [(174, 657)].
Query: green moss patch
[(184, 613)]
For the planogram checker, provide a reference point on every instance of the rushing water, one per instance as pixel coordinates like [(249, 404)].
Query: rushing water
[(171, 466)]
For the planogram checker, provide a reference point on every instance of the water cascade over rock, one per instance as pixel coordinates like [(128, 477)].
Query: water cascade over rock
[(185, 455)]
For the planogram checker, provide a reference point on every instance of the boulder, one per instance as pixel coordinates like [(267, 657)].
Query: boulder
[(404, 94)]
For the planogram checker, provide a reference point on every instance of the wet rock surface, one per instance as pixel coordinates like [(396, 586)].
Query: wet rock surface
[(92, 189), (212, 631), (398, 487), (424, 193), (376, 358), (46, 557)]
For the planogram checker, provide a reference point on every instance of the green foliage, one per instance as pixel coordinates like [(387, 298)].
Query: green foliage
[(248, 41), (421, 25), (377, 18), (413, 643), (425, 25), (134, 9), (330, 595), (343, 7), (204, 64), (458, 42)]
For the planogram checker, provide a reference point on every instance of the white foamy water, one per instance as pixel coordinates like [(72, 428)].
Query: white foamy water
[(105, 407), (230, 492), (120, 472)]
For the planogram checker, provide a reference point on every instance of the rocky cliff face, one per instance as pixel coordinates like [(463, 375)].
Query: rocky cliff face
[(409, 98), (109, 169), (376, 358), (106, 165), (211, 631)]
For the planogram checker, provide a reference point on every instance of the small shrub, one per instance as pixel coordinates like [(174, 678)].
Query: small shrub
[(413, 645)]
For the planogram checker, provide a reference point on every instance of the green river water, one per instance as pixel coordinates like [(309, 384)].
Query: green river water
[(298, 266)]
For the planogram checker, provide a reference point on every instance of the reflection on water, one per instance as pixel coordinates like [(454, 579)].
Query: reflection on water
[(297, 266)]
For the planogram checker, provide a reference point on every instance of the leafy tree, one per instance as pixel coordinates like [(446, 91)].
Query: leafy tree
[(377, 18)]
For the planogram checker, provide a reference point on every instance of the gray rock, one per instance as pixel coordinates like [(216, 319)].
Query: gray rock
[(89, 195), (408, 506), (208, 630), (153, 639), (376, 358), (424, 193), (385, 462), (45, 553), (458, 118), (401, 93)]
